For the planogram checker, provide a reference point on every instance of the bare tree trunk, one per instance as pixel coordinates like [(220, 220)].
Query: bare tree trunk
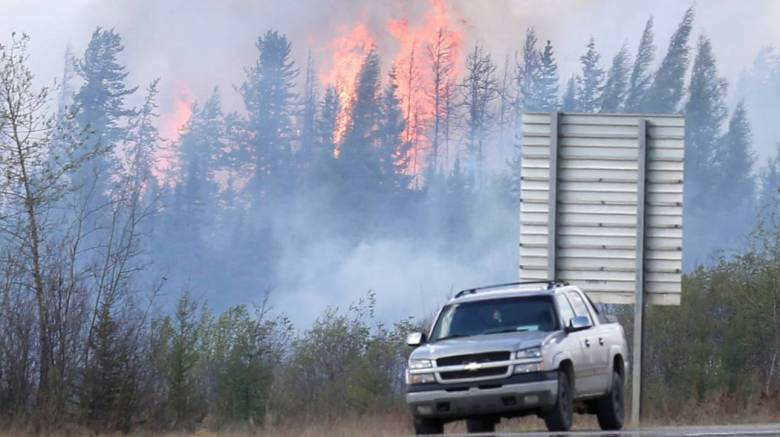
[(31, 200)]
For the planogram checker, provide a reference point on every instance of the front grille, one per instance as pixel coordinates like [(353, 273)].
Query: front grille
[(486, 357), (481, 373)]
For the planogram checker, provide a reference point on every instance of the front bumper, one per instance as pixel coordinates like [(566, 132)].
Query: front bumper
[(502, 397)]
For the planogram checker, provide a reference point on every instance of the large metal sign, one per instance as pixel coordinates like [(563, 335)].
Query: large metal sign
[(601, 206), (601, 203)]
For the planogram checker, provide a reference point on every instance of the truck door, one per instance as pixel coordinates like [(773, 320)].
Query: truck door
[(591, 346), (606, 337), (575, 344)]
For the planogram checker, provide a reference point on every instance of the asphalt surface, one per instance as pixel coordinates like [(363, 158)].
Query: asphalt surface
[(692, 431)]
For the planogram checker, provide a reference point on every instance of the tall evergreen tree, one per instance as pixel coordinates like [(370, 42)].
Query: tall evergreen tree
[(102, 112), (705, 113), (614, 95), (569, 98), (440, 54), (391, 149), (734, 160), (201, 142), (548, 80), (770, 181), (641, 77), (143, 140), (591, 85), (528, 73), (479, 92), (327, 122), (269, 96), (361, 130), (667, 89), (65, 99), (308, 124)]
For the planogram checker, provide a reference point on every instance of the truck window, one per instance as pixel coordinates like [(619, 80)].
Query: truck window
[(495, 316), (567, 313), (580, 309)]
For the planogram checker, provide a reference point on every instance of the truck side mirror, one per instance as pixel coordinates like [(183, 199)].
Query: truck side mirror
[(578, 324), (415, 339)]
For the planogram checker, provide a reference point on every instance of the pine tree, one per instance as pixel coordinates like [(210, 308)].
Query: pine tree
[(144, 138), (361, 131), (391, 149), (440, 54), (327, 122), (102, 112), (308, 125), (269, 97), (770, 182), (705, 113), (65, 99), (734, 161), (569, 99), (479, 92), (592, 83), (614, 95), (201, 141), (528, 74), (641, 78), (548, 80), (667, 89)]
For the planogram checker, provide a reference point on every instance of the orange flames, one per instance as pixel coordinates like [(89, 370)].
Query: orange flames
[(416, 79), (349, 51), (171, 124), (411, 42), (174, 121)]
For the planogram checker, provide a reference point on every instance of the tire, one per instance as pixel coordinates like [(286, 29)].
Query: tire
[(480, 425), (428, 426), (560, 418), (610, 409)]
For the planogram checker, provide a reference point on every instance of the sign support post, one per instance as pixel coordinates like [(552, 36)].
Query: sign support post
[(639, 299), (552, 203)]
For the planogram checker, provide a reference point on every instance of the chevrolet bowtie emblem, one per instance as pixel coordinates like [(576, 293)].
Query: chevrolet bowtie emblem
[(473, 366)]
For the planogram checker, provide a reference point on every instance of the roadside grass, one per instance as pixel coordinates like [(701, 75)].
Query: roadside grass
[(716, 411)]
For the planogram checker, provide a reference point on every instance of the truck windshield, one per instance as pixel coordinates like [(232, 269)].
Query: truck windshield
[(493, 316)]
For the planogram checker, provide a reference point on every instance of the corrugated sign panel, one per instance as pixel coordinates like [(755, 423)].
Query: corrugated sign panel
[(597, 170)]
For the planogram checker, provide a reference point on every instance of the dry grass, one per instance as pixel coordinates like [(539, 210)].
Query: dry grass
[(397, 423)]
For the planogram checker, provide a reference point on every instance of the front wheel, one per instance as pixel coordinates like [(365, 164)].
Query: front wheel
[(480, 425), (610, 409), (560, 418), (428, 426)]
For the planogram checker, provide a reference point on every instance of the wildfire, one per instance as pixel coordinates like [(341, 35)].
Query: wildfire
[(171, 124), (411, 43), (174, 121), (348, 51), (413, 62)]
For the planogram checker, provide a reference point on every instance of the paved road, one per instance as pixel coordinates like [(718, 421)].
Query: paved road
[(685, 431)]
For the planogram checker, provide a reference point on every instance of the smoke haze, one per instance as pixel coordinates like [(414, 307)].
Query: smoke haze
[(197, 46)]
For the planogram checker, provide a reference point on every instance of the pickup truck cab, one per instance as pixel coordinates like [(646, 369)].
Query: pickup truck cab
[(517, 349)]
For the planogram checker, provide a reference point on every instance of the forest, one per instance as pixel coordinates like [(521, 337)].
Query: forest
[(134, 298)]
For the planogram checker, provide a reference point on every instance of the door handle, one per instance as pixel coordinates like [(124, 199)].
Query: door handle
[(601, 341), (587, 342)]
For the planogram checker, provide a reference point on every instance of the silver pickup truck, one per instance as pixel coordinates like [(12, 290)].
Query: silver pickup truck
[(517, 349)]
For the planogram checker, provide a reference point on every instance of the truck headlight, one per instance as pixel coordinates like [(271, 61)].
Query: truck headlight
[(420, 378), (528, 368), (531, 352), (419, 364)]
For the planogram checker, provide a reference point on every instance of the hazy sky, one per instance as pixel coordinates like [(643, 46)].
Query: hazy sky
[(194, 45)]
